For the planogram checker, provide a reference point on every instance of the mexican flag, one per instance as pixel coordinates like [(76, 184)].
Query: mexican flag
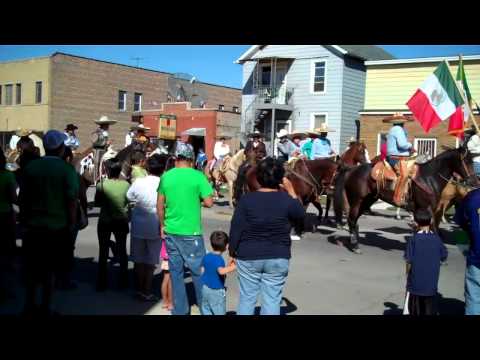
[(457, 120), (437, 99)]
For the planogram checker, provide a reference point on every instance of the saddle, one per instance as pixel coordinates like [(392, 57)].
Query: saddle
[(386, 177)]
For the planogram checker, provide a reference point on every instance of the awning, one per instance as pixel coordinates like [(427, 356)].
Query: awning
[(195, 132)]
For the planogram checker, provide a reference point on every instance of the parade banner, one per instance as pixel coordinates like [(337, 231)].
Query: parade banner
[(167, 129), (437, 99)]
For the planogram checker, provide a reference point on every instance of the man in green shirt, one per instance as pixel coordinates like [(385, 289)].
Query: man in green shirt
[(181, 193), (47, 200)]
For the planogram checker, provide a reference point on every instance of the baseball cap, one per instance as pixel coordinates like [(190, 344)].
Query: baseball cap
[(53, 139), (185, 150)]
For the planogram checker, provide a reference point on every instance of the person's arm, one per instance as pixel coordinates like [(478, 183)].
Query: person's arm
[(459, 216), (99, 195), (161, 213), (206, 192), (402, 141), (72, 191), (227, 269), (237, 227)]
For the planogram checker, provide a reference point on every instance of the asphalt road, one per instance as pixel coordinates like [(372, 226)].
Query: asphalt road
[(324, 278)]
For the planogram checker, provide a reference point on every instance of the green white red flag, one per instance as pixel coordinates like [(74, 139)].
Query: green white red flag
[(437, 99), (457, 121)]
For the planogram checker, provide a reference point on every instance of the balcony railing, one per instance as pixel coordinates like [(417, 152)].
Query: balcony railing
[(269, 95)]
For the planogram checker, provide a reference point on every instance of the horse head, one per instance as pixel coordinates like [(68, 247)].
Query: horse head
[(356, 154), (459, 161)]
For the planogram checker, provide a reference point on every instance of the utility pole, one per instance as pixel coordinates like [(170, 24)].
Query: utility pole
[(137, 59)]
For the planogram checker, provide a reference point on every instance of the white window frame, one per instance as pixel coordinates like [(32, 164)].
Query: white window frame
[(312, 77), (416, 141), (379, 140), (16, 94), (140, 103), (312, 118), (124, 100)]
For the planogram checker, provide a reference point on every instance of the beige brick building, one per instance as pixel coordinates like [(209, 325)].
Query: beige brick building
[(61, 89)]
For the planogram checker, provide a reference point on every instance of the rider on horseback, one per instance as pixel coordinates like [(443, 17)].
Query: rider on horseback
[(322, 146), (220, 151), (398, 152), (100, 140), (72, 140)]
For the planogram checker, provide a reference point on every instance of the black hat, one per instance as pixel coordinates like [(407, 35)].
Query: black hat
[(71, 127)]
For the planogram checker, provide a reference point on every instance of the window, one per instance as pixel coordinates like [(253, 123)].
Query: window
[(426, 146), (122, 100), (137, 103), (221, 107), (317, 119), (1, 95), (8, 94), (18, 93), (235, 109), (266, 75), (381, 138), (318, 74), (38, 92)]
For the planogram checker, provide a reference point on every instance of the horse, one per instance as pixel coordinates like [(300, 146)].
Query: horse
[(311, 178), (227, 173), (425, 190)]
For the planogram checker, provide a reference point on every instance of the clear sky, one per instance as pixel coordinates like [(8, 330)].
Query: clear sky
[(208, 63)]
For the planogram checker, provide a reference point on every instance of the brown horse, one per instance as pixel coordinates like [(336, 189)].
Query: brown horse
[(312, 178), (424, 193)]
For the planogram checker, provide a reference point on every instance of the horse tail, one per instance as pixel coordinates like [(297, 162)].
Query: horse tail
[(338, 203)]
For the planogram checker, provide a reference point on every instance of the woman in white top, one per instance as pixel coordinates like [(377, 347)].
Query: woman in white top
[(145, 241)]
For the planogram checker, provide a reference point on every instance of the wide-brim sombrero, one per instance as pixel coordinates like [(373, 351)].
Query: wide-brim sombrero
[(321, 130), (397, 118), (298, 134), (104, 120), (23, 132), (140, 127)]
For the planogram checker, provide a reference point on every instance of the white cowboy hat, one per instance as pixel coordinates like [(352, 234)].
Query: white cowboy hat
[(298, 134), (352, 139), (323, 129), (21, 132), (140, 127), (104, 120), (282, 133)]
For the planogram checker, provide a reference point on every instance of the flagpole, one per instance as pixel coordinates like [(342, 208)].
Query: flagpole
[(463, 97)]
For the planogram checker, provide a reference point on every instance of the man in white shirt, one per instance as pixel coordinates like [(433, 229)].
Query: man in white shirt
[(145, 243), (473, 146), (220, 151)]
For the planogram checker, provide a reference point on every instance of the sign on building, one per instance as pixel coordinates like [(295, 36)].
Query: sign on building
[(167, 129)]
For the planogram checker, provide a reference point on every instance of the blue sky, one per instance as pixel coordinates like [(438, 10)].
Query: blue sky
[(208, 63)]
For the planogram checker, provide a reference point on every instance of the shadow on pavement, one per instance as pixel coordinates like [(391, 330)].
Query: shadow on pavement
[(289, 307), (370, 238), (445, 306)]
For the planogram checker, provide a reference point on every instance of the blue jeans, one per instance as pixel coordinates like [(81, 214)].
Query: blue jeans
[(214, 301), (264, 277), (184, 251), (476, 168), (472, 290)]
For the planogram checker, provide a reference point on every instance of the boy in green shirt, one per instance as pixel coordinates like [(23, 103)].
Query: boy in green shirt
[(181, 193)]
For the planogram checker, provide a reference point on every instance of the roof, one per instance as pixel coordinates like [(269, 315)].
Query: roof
[(421, 60), (364, 52)]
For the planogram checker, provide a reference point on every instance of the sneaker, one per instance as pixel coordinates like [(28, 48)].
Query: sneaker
[(295, 238)]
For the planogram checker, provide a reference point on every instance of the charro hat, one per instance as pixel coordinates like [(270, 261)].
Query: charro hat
[(104, 120), (323, 129), (71, 127), (140, 127), (351, 140), (282, 133), (53, 139), (298, 134), (397, 118), (21, 132)]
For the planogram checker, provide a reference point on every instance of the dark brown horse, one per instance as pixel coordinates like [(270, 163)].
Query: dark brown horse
[(311, 178), (424, 193)]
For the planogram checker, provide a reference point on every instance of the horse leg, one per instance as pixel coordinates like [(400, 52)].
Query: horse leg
[(353, 227)]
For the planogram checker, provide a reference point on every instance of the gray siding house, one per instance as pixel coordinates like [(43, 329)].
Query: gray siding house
[(297, 87)]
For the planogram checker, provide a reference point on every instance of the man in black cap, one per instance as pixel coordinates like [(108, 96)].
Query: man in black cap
[(72, 140)]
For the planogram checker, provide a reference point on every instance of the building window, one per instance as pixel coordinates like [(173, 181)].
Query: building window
[(18, 93), (1, 94), (426, 146), (235, 109), (137, 104), (221, 107), (122, 100), (318, 76), (317, 119), (381, 139), (8, 94), (38, 92), (266, 75)]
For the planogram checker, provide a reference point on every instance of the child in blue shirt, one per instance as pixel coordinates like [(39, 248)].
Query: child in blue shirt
[(424, 253), (214, 301)]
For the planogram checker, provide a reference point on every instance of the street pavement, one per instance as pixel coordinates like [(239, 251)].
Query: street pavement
[(324, 278)]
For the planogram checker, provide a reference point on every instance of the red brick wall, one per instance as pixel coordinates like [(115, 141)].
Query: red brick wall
[(371, 125)]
